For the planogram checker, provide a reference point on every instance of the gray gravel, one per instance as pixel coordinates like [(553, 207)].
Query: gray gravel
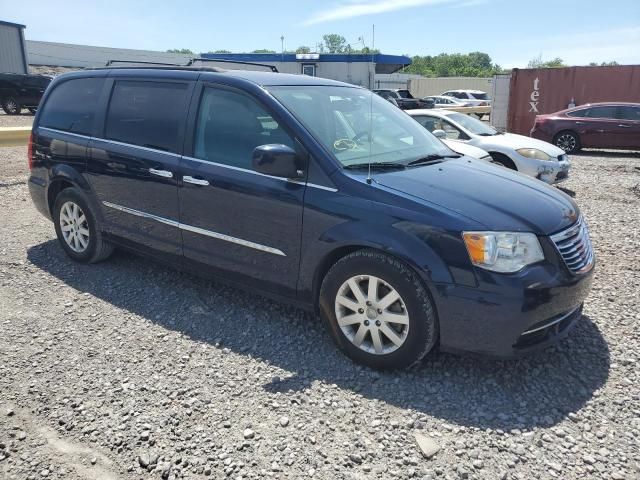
[(129, 370)]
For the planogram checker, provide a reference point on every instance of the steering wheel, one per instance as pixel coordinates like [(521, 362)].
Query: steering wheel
[(364, 133), (343, 144)]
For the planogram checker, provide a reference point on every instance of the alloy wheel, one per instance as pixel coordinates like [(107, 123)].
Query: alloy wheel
[(372, 314), (74, 227), (12, 106), (566, 142)]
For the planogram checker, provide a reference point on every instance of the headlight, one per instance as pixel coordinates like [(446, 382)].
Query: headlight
[(533, 153), (504, 252)]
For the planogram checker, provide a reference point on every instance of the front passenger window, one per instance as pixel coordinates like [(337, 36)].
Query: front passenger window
[(231, 125)]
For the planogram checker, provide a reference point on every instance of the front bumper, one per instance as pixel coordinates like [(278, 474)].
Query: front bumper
[(551, 172), (511, 315)]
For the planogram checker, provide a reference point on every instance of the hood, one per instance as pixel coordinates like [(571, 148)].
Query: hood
[(465, 149), (514, 141), (496, 197)]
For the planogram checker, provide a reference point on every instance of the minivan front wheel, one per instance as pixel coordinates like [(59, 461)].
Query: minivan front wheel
[(77, 229), (378, 311)]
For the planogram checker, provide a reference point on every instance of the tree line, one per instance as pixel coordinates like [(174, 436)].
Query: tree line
[(473, 64)]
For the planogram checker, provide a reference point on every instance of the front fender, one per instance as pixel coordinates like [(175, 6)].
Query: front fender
[(438, 256)]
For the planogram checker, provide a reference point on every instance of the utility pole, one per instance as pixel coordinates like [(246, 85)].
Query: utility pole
[(282, 46)]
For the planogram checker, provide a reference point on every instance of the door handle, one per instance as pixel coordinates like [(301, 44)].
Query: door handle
[(195, 181), (624, 126), (161, 173), (579, 123)]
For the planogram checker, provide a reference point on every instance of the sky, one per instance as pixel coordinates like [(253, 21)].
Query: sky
[(512, 32)]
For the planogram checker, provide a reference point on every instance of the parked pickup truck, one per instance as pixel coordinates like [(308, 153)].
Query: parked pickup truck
[(402, 98)]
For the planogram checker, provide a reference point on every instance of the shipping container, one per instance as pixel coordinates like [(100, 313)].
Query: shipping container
[(546, 90)]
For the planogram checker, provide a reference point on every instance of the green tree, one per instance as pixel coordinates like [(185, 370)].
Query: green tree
[(180, 50), (221, 51), (474, 64), (539, 63), (263, 50), (303, 49), (334, 43)]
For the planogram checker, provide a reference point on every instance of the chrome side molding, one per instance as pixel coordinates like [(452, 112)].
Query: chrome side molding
[(201, 231)]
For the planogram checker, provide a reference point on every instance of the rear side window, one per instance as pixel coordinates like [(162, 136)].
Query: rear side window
[(72, 105), (231, 125), (480, 96), (579, 113), (148, 114)]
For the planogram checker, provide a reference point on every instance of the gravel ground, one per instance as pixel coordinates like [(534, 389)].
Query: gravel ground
[(131, 370)]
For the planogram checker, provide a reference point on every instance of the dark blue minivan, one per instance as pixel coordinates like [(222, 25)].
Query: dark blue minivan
[(313, 191)]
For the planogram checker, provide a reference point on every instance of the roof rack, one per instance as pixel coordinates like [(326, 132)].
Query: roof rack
[(216, 60), (143, 62), (190, 63)]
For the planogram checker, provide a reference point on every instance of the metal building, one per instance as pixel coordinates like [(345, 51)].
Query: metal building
[(55, 54), (357, 69), (13, 53)]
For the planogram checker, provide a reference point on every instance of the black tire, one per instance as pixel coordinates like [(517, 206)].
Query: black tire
[(503, 160), (422, 332), (97, 249), (568, 141), (11, 106), (32, 110)]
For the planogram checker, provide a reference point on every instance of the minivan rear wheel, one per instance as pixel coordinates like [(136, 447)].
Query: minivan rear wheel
[(11, 106), (378, 311), (77, 228)]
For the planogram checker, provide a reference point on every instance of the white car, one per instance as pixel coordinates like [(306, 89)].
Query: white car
[(475, 97), (440, 101), (536, 158)]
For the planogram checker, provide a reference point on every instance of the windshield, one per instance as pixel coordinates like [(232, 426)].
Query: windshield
[(479, 95), (405, 94), (358, 126), (474, 125)]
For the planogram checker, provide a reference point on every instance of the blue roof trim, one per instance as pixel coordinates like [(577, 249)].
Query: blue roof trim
[(324, 57)]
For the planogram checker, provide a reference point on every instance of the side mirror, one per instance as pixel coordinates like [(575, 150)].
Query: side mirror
[(439, 133), (276, 160)]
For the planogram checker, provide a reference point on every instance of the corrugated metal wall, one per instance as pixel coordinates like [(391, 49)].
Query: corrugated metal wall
[(547, 90), (394, 80), (12, 54), (500, 101), (422, 87)]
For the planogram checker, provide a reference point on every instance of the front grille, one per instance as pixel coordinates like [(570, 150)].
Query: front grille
[(575, 247)]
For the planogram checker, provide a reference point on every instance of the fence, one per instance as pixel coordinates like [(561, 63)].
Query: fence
[(423, 86)]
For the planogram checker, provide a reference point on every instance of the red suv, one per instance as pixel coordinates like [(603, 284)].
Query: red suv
[(595, 125)]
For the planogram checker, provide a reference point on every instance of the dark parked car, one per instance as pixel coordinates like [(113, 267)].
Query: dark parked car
[(18, 91), (596, 125), (313, 191), (403, 98)]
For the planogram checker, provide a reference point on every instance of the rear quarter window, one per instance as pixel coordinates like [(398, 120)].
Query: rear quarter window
[(72, 105), (148, 114)]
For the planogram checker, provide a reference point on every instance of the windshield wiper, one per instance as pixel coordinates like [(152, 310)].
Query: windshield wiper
[(430, 159), (490, 134), (375, 165)]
